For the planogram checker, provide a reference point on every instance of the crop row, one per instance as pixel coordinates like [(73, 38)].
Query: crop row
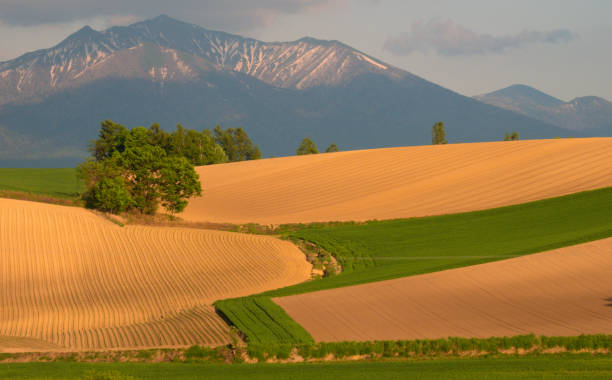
[(262, 321)]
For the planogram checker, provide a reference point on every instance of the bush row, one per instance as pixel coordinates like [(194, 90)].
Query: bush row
[(428, 347)]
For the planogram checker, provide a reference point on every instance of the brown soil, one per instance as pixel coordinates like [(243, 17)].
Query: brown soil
[(563, 292), (399, 182), (72, 279)]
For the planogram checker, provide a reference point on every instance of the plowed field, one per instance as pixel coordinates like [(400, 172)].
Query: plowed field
[(563, 292), (400, 182), (71, 279)]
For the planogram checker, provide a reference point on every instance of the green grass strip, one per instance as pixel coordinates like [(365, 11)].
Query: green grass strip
[(571, 366), (61, 183), (382, 250), (262, 321)]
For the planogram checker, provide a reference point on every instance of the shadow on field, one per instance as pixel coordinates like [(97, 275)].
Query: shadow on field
[(609, 299)]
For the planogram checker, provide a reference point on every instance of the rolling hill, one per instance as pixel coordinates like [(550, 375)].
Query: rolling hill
[(561, 293), (399, 182), (163, 70), (71, 280)]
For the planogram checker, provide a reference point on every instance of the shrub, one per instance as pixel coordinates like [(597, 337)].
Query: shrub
[(110, 195)]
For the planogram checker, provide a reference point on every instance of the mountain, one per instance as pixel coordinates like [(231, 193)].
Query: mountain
[(88, 55), (163, 70), (580, 114)]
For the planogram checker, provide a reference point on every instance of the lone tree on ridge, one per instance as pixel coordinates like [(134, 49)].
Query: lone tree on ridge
[(307, 147), (438, 135)]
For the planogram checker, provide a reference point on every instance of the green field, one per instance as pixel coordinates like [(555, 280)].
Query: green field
[(60, 183), (382, 250), (263, 321), (498, 368)]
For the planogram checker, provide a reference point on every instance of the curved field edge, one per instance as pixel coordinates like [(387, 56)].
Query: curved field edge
[(383, 250), (71, 278)]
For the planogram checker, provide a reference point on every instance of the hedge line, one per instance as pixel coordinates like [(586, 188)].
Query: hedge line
[(429, 347)]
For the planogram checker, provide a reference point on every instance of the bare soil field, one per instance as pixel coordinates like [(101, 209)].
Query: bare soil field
[(72, 280), (399, 182), (562, 292)]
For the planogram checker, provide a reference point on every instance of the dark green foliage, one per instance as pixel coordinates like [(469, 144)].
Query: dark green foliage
[(332, 148), (201, 352), (109, 194), (429, 347), (438, 134), (307, 147), (199, 148), (141, 168), (236, 144), (262, 321), (382, 250), (511, 137), (111, 138), (177, 183)]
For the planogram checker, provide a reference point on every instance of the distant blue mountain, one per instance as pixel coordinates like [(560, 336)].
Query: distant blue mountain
[(163, 70), (588, 115)]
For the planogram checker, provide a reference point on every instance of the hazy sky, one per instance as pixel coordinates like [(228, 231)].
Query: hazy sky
[(469, 46)]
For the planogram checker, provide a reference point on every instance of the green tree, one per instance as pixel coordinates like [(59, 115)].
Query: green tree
[(236, 144), (332, 148), (307, 147), (143, 165), (201, 149), (177, 141), (178, 182), (111, 138), (511, 137), (110, 195), (159, 137), (438, 135)]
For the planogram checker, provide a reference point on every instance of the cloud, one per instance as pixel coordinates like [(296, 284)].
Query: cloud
[(225, 14), (450, 39)]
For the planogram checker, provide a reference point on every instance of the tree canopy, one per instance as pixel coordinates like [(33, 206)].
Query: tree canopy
[(307, 147), (143, 168), (236, 144), (511, 137), (332, 148)]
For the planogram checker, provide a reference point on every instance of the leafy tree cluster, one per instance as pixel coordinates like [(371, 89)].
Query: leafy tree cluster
[(236, 144), (143, 167), (309, 147), (511, 137), (438, 135)]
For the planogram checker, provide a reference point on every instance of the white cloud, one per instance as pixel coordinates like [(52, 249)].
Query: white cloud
[(450, 39)]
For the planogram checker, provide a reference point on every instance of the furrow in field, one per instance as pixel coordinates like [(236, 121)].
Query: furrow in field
[(400, 182), (560, 292), (77, 281)]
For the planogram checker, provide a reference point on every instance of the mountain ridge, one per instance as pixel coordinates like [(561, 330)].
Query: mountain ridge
[(304, 63), (163, 70), (578, 114)]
